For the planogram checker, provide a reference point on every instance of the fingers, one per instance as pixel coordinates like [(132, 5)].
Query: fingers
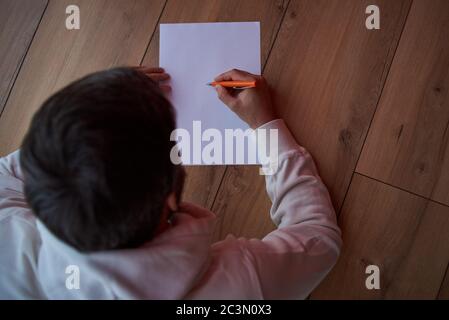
[(235, 74), (225, 96), (155, 74), (145, 69), (194, 210), (165, 88), (158, 76)]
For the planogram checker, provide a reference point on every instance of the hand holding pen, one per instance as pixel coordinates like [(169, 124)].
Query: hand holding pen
[(253, 104)]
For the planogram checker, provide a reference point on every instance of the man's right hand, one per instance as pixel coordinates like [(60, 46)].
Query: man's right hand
[(252, 105)]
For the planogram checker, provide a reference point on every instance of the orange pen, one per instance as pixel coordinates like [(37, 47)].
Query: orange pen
[(234, 84)]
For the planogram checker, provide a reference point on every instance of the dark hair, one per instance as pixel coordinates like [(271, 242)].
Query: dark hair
[(96, 160)]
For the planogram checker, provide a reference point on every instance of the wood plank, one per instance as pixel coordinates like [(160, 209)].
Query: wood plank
[(112, 33), (327, 71), (407, 145), (444, 289), (18, 22), (403, 234), (242, 205), (203, 182)]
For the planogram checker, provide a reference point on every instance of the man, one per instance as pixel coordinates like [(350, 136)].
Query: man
[(90, 206)]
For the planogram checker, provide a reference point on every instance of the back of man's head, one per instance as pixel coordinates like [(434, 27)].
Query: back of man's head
[(96, 160)]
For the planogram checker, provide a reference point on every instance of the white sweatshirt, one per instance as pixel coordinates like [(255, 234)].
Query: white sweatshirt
[(180, 263)]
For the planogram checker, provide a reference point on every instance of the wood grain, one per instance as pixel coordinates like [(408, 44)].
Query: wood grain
[(403, 234), (444, 289), (203, 182), (242, 204), (18, 22), (112, 33), (327, 71), (407, 145)]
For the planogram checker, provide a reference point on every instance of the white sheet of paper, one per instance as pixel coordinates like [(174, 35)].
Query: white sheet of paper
[(193, 54)]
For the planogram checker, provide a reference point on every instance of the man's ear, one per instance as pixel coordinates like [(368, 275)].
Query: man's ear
[(172, 202)]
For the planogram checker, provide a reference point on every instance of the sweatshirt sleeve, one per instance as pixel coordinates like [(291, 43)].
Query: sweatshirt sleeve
[(292, 260), (11, 184), (10, 167)]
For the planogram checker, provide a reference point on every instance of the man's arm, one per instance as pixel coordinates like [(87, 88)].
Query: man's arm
[(292, 260), (11, 183), (10, 166)]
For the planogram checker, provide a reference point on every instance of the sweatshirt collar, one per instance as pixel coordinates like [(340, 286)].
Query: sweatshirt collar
[(167, 267)]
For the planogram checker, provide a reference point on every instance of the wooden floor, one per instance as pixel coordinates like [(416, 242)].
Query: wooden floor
[(372, 106)]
